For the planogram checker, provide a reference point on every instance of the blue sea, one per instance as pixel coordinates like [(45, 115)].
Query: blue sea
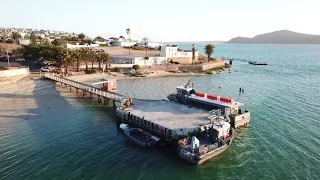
[(68, 137)]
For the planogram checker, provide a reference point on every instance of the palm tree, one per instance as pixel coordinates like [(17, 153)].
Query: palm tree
[(68, 60), (33, 38), (209, 49), (16, 36), (105, 58), (146, 40), (81, 36), (77, 56), (128, 31), (193, 53), (85, 54), (93, 57)]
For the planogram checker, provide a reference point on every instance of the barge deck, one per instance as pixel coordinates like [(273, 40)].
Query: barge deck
[(168, 120)]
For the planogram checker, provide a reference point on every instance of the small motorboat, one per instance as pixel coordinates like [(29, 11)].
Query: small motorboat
[(139, 136)]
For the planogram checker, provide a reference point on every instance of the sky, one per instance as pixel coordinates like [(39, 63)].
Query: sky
[(164, 20)]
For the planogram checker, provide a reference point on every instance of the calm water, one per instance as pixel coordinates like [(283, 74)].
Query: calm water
[(79, 138)]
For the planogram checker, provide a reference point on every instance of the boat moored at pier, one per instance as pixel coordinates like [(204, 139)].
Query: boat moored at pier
[(139, 136), (226, 106), (214, 139)]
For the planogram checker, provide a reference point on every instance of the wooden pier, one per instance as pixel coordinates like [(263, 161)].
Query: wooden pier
[(103, 96)]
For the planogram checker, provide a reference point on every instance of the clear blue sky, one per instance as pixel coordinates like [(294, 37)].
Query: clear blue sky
[(164, 20)]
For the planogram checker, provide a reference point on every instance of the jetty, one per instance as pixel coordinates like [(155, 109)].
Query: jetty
[(230, 59), (87, 89), (178, 121)]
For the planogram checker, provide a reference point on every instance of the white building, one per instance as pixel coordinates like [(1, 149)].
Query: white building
[(129, 61), (150, 45), (183, 56), (126, 43), (24, 41), (172, 52)]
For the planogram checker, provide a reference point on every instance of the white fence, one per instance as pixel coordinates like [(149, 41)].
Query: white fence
[(71, 46), (87, 88), (14, 72)]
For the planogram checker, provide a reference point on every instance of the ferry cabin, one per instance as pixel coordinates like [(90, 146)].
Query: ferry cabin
[(188, 95)]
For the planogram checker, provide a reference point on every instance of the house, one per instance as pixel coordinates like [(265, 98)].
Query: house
[(130, 60), (123, 42), (150, 45), (172, 53)]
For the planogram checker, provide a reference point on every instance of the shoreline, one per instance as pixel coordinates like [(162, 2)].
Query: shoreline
[(120, 76)]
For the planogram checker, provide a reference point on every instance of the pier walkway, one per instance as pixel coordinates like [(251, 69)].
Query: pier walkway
[(86, 88)]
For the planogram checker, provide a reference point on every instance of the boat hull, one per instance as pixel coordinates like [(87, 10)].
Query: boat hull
[(204, 158), (148, 142)]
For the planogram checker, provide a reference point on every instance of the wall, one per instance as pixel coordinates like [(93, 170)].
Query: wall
[(14, 72), (183, 60), (212, 65), (203, 67), (151, 61), (162, 67), (124, 43), (71, 46)]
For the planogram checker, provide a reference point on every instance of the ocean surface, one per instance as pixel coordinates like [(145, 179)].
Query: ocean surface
[(78, 138)]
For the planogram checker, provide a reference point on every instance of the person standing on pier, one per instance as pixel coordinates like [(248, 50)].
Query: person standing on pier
[(219, 86), (240, 90)]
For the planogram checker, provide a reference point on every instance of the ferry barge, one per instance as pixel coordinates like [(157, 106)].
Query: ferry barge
[(200, 125)]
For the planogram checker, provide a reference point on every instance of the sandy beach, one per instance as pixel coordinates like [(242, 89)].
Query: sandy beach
[(114, 75)]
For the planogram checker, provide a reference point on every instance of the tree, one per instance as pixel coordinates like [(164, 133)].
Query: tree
[(99, 38), (33, 39), (146, 40), (105, 58), (136, 67), (93, 58), (10, 41), (46, 42), (58, 42), (68, 60), (81, 36), (4, 36), (209, 49), (128, 31), (193, 53), (145, 60), (16, 36), (40, 39), (77, 56), (86, 54)]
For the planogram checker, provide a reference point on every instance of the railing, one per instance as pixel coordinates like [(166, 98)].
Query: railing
[(85, 87)]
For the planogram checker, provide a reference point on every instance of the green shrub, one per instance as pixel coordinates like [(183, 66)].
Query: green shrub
[(90, 71), (136, 67), (10, 41), (116, 69), (174, 62)]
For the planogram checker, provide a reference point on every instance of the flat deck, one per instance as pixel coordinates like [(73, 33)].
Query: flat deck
[(170, 115)]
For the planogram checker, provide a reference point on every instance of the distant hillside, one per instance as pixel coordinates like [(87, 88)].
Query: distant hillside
[(278, 37)]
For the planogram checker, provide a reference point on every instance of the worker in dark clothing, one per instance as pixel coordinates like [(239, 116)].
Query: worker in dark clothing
[(240, 90)]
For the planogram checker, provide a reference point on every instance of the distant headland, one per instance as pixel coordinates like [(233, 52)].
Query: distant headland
[(278, 37)]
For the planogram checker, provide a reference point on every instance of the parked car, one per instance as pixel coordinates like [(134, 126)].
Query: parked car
[(20, 59), (47, 68)]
